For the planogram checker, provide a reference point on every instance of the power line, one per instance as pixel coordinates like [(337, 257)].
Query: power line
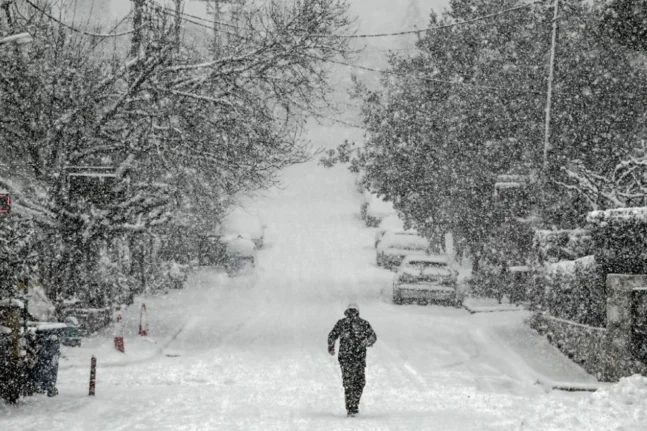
[(485, 87), (389, 72), (402, 33), (105, 35), (209, 27), (200, 18)]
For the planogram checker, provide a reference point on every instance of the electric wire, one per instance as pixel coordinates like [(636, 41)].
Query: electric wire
[(211, 21), (465, 84), (469, 21)]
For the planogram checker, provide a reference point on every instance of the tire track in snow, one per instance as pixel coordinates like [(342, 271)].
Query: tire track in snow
[(409, 373)]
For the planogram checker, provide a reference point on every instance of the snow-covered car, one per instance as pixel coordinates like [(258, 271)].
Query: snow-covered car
[(359, 178), (245, 224), (389, 223), (374, 209), (395, 246), (425, 279), (240, 256)]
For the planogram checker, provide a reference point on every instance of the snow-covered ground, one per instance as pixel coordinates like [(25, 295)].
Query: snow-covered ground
[(250, 353)]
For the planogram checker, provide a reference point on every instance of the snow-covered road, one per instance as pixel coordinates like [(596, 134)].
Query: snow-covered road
[(250, 353)]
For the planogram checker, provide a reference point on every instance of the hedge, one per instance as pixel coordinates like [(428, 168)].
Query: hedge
[(576, 290)]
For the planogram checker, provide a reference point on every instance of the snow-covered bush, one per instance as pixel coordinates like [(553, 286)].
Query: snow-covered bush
[(550, 246), (18, 258), (575, 290)]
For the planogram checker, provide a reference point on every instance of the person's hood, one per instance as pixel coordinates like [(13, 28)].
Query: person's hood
[(352, 310)]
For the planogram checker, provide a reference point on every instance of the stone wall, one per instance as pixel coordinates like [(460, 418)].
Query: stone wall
[(603, 352), (619, 359), (583, 344)]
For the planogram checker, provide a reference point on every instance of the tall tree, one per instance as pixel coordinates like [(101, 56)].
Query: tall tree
[(184, 132), (470, 106)]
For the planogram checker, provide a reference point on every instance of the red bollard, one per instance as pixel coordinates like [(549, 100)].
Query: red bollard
[(143, 321), (93, 375), (119, 335)]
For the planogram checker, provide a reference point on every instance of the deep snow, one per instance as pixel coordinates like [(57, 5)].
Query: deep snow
[(250, 353)]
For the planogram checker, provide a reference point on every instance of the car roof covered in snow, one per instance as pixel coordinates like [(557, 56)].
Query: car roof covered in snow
[(391, 222), (240, 220), (403, 240), (434, 258), (241, 245), (377, 205)]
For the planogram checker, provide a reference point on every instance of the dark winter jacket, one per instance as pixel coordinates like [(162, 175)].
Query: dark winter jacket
[(354, 335)]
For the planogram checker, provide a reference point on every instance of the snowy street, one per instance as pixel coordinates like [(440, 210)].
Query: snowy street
[(249, 353)]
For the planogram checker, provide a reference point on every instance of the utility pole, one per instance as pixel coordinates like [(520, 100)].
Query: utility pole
[(138, 18), (216, 28), (549, 95), (178, 24)]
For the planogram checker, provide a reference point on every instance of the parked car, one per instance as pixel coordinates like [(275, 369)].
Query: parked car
[(240, 256), (243, 223), (425, 279), (395, 246), (373, 209), (359, 178), (389, 223)]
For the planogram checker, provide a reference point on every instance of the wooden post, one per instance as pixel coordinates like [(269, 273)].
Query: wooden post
[(93, 375)]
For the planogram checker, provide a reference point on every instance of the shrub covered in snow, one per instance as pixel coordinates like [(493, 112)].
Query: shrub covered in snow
[(550, 246), (575, 290), (18, 257)]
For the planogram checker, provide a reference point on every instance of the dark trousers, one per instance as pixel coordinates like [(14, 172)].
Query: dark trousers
[(354, 381)]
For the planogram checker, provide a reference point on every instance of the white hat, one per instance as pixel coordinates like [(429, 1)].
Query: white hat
[(353, 306)]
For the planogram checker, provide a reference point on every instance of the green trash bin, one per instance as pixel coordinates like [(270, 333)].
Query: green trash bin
[(43, 352)]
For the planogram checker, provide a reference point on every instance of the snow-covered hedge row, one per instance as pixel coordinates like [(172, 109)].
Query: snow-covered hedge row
[(576, 291), (582, 343), (620, 239), (551, 246)]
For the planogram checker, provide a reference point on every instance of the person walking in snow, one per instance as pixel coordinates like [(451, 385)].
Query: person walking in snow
[(354, 335)]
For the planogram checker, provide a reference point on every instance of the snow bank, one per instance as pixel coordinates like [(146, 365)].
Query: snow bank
[(628, 398)]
